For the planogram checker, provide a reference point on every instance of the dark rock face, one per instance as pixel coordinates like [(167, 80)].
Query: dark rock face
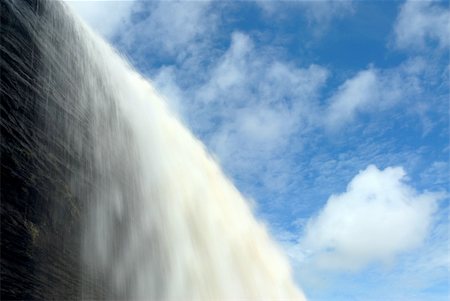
[(40, 213)]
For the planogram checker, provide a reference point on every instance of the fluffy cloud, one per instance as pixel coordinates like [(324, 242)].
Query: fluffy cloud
[(377, 218), (420, 23)]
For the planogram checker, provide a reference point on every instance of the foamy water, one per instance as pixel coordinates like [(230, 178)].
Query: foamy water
[(160, 219)]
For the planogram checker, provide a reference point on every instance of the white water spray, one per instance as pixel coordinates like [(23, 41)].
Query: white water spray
[(161, 221)]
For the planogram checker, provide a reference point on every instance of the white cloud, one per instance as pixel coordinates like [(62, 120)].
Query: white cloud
[(105, 17), (377, 218), (374, 90), (421, 23), (260, 103), (356, 94), (230, 73), (170, 28), (319, 13), (246, 75)]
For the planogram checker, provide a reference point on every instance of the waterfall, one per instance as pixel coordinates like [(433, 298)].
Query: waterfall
[(155, 217)]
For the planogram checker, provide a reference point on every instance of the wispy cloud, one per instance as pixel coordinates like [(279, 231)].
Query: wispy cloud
[(263, 100), (318, 14), (169, 29), (355, 95), (376, 90), (422, 24)]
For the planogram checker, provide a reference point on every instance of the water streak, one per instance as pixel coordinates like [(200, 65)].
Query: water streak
[(160, 219)]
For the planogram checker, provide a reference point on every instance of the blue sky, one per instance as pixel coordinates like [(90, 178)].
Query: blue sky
[(331, 117)]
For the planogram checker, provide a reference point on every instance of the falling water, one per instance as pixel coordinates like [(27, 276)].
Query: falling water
[(160, 221)]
